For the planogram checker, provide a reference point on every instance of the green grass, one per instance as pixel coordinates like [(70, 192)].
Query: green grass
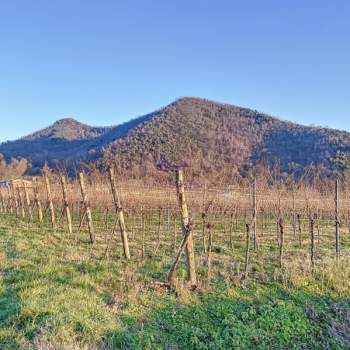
[(58, 293)]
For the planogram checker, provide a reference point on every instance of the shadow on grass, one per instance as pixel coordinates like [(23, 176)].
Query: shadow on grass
[(259, 318)]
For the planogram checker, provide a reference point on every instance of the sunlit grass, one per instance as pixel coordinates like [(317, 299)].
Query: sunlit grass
[(58, 292)]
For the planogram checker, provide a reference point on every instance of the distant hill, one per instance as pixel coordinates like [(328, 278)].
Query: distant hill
[(67, 129), (211, 136)]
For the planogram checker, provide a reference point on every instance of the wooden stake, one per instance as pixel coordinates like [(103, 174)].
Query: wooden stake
[(210, 244), (312, 246), (294, 217), (21, 202), (204, 240), (49, 198), (336, 199), (66, 204), (27, 199), (180, 188), (231, 231), (300, 230), (281, 240), (120, 214), (10, 199), (15, 200), (184, 243), (254, 216), (37, 201), (87, 207), (247, 251)]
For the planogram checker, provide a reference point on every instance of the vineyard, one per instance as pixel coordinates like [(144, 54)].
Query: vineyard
[(171, 239)]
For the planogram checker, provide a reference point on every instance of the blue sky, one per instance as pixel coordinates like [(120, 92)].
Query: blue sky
[(104, 62)]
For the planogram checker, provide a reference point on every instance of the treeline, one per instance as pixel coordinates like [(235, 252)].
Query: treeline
[(12, 169)]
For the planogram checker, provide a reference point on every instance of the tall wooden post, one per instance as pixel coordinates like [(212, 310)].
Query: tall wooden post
[(300, 230), (11, 201), (336, 199), (294, 216), (21, 203), (119, 213), (231, 231), (15, 200), (247, 251), (27, 199), (49, 198), (210, 245), (180, 188), (254, 215), (312, 246), (37, 201), (281, 241), (2, 202), (66, 203), (204, 239), (87, 207)]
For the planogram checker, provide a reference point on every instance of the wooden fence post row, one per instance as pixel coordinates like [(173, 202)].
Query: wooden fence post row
[(16, 199)]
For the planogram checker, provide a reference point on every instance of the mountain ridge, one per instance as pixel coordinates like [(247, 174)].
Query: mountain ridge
[(212, 136)]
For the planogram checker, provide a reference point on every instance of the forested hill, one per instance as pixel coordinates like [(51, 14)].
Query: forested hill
[(211, 136)]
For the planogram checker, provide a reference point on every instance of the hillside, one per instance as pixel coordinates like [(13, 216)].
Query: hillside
[(67, 129), (217, 138), (211, 136)]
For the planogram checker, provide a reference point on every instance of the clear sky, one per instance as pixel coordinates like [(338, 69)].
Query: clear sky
[(104, 62)]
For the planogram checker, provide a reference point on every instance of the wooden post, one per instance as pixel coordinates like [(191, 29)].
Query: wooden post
[(27, 199), (281, 240), (11, 202), (87, 207), (300, 230), (171, 274), (312, 247), (204, 240), (66, 203), (210, 245), (21, 202), (294, 217), (247, 251), (336, 199), (231, 231), (120, 214), (15, 200), (49, 198), (254, 215), (37, 201), (180, 188)]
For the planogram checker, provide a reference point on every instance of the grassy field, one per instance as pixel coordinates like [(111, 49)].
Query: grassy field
[(57, 292)]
